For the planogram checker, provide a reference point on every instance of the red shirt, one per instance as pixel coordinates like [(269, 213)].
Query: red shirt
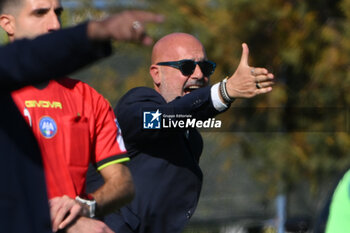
[(74, 125)]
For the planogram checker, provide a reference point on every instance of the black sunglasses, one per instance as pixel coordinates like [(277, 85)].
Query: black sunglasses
[(187, 66)]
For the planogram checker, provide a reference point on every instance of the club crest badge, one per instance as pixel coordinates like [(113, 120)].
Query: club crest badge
[(48, 127)]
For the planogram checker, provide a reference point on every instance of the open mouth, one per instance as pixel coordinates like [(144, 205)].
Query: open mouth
[(191, 88)]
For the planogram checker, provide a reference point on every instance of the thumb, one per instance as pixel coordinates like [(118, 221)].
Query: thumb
[(245, 54)]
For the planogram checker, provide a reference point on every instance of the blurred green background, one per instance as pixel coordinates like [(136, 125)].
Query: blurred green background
[(292, 142)]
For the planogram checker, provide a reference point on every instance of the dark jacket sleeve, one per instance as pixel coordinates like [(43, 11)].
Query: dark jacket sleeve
[(130, 108), (49, 56)]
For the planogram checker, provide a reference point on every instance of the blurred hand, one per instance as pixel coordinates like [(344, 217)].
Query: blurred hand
[(125, 26), (247, 81), (88, 225)]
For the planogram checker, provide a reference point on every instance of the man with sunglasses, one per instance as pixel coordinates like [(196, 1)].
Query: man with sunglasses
[(164, 163)]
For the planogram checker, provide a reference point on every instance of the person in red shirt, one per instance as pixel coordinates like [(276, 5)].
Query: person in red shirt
[(73, 124)]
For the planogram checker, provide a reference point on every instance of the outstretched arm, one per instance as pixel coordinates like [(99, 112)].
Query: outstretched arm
[(59, 53)]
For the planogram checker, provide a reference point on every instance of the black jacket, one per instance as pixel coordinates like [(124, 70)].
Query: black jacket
[(23, 198), (164, 162)]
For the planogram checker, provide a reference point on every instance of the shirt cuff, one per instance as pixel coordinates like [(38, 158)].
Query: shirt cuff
[(217, 102), (119, 158)]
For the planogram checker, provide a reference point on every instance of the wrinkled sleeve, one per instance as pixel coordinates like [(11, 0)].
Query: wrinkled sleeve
[(109, 145)]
